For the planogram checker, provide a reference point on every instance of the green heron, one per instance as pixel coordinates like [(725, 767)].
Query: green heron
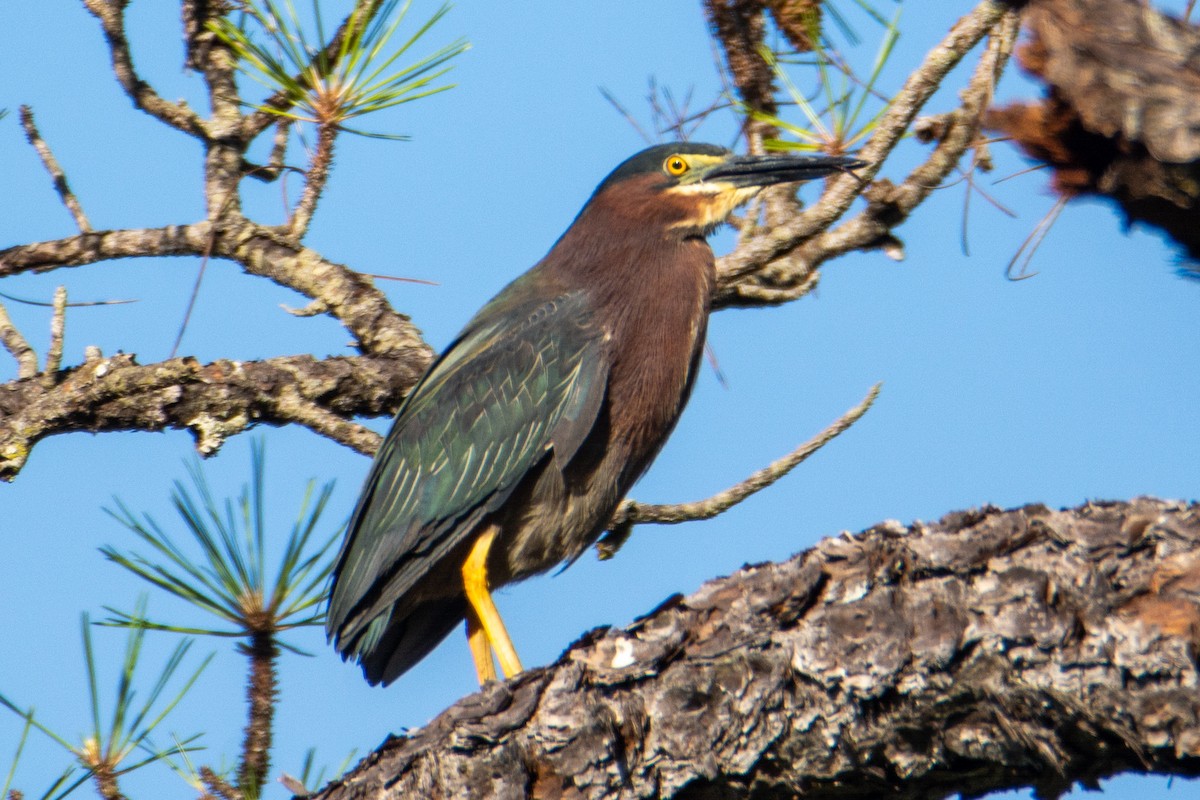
[(512, 452)]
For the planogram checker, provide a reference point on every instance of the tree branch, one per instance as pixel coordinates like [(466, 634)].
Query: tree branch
[(314, 181), (17, 346), (56, 174), (177, 115), (631, 512), (347, 295), (768, 265), (213, 401), (96, 246), (58, 327), (989, 651)]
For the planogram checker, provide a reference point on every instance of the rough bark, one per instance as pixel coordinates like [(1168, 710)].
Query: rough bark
[(262, 694), (212, 401), (1120, 118), (991, 650), (217, 400)]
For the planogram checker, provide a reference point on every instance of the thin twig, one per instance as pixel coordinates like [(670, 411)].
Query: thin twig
[(17, 345), (275, 166), (754, 253), (624, 112), (191, 306), (1021, 172), (966, 121), (58, 326), (56, 174), (631, 512)]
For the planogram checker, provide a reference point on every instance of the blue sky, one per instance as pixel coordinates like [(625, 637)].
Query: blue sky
[(1078, 384)]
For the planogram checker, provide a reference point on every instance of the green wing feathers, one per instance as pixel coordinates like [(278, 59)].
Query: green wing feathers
[(524, 379)]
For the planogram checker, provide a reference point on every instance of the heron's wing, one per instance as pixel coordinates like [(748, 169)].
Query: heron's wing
[(523, 380)]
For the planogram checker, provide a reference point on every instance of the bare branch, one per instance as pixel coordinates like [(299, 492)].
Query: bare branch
[(760, 249), (989, 651), (348, 296), (275, 162), (293, 406), (177, 115), (58, 326), (225, 152), (631, 512), (196, 37), (213, 401), (56, 174), (95, 246), (18, 346)]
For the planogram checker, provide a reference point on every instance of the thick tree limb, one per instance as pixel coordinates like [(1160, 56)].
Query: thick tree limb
[(990, 650), (213, 401)]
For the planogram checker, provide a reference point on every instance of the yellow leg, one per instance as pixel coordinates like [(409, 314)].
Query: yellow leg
[(475, 581), (481, 651)]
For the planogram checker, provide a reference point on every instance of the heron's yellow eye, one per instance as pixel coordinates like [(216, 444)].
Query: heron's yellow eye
[(675, 166)]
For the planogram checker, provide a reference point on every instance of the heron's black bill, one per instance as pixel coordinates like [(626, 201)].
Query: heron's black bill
[(769, 170)]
